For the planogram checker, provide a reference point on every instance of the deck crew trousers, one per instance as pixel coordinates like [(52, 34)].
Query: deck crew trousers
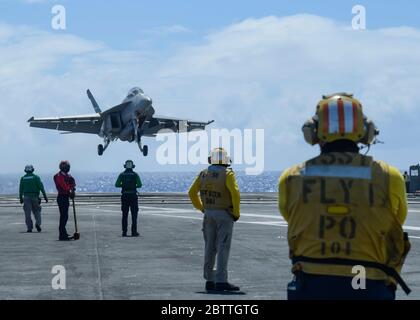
[(31, 205), (63, 206), (129, 202), (217, 231)]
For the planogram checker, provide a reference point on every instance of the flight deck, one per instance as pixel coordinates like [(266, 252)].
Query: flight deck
[(165, 262)]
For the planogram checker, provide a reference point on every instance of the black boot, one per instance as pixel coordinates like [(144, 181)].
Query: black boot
[(226, 286), (64, 237), (210, 286)]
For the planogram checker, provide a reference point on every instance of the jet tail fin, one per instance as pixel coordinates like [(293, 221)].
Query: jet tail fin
[(94, 103)]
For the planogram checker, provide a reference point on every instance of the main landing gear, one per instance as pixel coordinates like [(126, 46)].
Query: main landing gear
[(144, 149), (102, 148)]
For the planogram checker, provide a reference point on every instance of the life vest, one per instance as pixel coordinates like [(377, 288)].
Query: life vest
[(64, 183), (341, 216), (129, 182), (30, 185), (213, 191)]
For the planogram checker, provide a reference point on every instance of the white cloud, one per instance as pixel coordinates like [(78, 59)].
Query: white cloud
[(46, 74), (167, 30), (271, 72), (259, 73), (5, 32)]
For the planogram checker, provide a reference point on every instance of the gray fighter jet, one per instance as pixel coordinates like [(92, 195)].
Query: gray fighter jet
[(128, 121)]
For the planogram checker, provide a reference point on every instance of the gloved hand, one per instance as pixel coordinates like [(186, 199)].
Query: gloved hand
[(234, 217), (46, 199), (72, 181), (72, 195), (21, 201), (39, 201)]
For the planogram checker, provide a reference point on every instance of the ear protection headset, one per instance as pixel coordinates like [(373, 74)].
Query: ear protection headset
[(219, 156), (29, 168), (129, 164)]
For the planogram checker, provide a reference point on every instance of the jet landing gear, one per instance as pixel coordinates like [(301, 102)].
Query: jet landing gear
[(102, 148), (144, 149)]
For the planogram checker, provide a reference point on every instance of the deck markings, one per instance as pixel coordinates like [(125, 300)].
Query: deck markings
[(278, 223), (98, 268)]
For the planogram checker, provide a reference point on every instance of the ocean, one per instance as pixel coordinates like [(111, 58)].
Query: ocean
[(152, 182)]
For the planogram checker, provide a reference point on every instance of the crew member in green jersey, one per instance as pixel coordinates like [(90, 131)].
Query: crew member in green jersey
[(129, 181), (29, 189)]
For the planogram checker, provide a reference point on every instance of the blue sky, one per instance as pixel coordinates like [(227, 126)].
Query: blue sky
[(246, 64), (120, 23), (202, 14)]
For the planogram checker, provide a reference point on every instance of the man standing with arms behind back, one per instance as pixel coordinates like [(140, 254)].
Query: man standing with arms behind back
[(129, 181), (344, 210), (219, 200), (29, 189), (66, 187)]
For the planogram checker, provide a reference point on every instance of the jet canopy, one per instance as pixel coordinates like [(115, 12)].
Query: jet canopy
[(133, 92)]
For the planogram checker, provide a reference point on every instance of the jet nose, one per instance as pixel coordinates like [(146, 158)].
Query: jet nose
[(147, 101)]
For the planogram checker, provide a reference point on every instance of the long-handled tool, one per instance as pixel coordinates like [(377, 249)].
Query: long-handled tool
[(76, 235)]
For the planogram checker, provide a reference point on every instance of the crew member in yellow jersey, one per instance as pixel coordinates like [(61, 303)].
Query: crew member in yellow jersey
[(344, 210), (219, 200)]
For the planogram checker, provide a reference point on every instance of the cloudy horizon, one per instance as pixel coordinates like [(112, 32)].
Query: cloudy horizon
[(251, 73)]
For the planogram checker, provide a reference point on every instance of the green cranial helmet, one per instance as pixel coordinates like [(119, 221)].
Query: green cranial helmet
[(29, 168)]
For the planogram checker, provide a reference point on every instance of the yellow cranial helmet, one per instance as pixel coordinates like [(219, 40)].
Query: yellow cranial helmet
[(339, 116), (219, 156)]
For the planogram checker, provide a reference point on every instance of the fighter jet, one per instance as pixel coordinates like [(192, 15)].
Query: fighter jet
[(129, 121)]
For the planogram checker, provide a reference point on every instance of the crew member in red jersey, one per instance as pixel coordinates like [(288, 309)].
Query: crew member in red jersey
[(66, 187)]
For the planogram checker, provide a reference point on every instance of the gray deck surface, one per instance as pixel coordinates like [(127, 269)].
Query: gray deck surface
[(164, 263)]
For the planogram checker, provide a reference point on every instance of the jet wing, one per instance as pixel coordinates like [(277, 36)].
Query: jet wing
[(78, 124), (152, 126)]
